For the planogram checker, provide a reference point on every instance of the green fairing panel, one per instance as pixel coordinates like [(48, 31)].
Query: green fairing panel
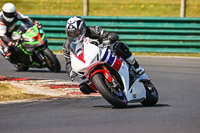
[(31, 32), (28, 53), (30, 43)]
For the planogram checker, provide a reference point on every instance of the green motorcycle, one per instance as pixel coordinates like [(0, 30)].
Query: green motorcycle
[(32, 50)]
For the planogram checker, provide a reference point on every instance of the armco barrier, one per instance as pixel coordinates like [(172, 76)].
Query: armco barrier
[(142, 34)]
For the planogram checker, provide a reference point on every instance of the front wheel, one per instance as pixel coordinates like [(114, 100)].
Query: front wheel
[(151, 94), (51, 60), (114, 96)]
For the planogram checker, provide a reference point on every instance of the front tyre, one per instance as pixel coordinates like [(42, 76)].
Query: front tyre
[(151, 94), (51, 61), (114, 97)]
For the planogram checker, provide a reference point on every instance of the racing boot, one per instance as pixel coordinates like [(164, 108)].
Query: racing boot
[(7, 56), (6, 53), (139, 70)]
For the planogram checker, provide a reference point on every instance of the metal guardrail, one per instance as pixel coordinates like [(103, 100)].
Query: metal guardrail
[(142, 34)]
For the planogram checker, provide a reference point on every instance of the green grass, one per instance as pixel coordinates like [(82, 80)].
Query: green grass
[(151, 8), (9, 92)]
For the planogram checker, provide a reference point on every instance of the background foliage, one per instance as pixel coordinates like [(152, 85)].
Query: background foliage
[(151, 8)]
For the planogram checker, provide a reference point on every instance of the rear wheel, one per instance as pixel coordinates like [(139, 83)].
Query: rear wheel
[(51, 61), (112, 93), (151, 94)]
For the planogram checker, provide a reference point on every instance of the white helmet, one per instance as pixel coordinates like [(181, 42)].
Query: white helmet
[(75, 29), (9, 12)]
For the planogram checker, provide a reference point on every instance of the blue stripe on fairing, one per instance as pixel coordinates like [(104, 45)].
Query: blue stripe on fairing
[(111, 59), (83, 50), (105, 55)]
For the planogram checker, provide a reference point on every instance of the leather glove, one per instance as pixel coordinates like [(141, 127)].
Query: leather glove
[(72, 75), (38, 24), (69, 71), (68, 68), (105, 43), (13, 44)]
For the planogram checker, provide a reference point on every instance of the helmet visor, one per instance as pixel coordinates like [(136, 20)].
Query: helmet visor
[(9, 15), (73, 33)]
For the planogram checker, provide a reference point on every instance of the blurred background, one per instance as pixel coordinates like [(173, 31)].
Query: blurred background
[(151, 8)]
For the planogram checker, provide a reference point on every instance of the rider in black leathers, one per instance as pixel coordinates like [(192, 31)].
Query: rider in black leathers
[(8, 19), (76, 30)]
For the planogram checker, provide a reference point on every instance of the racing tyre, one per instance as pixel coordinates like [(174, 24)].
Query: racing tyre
[(115, 97), (151, 94), (51, 61)]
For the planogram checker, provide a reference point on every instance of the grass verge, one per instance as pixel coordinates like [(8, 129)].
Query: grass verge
[(9, 92), (151, 8)]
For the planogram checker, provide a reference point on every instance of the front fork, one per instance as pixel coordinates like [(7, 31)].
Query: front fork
[(104, 71), (40, 56)]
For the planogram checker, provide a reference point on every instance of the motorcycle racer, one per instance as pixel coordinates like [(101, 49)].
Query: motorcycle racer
[(77, 30), (8, 19)]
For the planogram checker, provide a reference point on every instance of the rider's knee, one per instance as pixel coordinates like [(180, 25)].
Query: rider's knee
[(122, 49), (85, 88)]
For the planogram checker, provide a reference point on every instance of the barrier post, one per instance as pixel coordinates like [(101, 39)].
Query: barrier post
[(85, 7), (183, 8)]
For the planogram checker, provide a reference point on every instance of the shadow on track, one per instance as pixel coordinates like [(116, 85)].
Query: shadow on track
[(133, 106)]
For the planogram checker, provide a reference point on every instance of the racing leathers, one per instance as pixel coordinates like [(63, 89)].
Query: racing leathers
[(104, 38), (6, 29)]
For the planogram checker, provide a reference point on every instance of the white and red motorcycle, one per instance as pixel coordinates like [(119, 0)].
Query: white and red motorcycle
[(110, 75)]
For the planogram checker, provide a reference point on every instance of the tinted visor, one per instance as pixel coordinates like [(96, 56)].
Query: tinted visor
[(9, 15), (74, 33)]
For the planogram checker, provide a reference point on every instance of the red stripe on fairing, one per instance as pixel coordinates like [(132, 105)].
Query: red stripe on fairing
[(81, 57), (117, 64), (38, 37)]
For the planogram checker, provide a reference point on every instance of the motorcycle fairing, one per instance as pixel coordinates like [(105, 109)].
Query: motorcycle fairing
[(25, 51), (90, 53), (109, 57), (29, 48), (136, 93), (89, 58), (33, 36), (32, 39)]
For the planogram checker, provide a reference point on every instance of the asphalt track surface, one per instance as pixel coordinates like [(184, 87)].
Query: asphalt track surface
[(177, 111)]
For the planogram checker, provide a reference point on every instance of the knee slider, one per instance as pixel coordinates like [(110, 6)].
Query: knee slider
[(85, 88)]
